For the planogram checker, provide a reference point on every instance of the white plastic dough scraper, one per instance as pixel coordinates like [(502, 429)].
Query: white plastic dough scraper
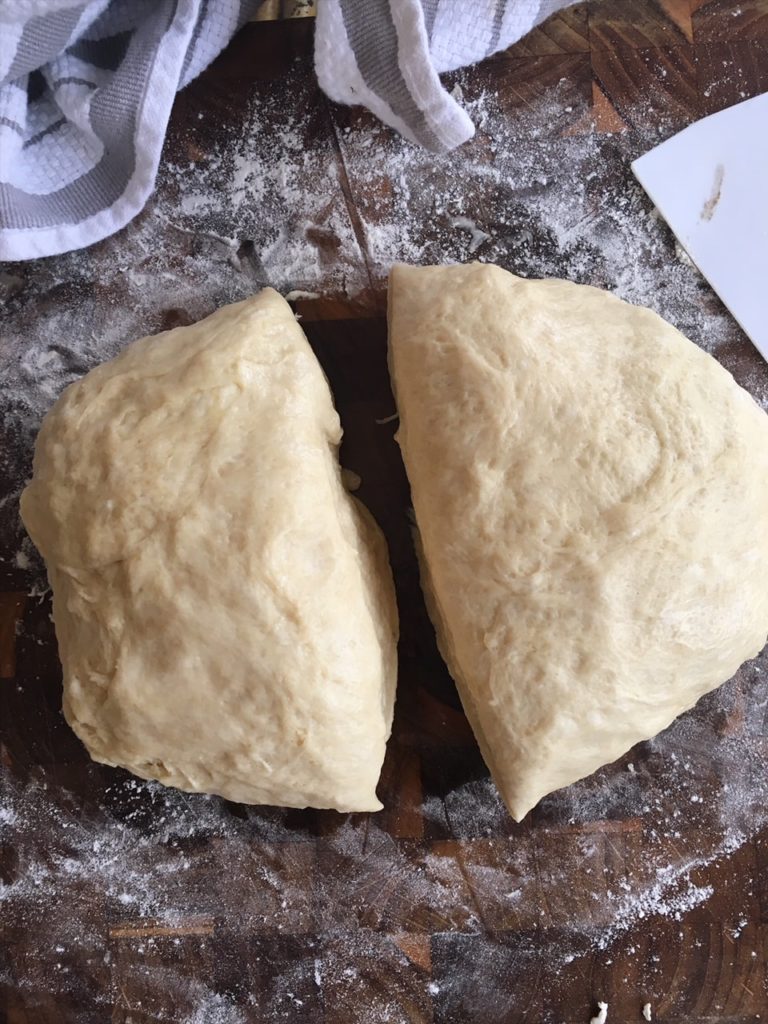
[(710, 183)]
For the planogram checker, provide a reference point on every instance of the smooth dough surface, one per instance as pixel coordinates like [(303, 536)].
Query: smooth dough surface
[(224, 609), (591, 493)]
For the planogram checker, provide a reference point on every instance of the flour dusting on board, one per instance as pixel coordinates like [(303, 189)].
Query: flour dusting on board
[(268, 207), (364, 912)]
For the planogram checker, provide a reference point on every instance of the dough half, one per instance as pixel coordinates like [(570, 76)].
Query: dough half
[(591, 493), (224, 609)]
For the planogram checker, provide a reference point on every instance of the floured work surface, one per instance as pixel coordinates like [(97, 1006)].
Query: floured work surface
[(122, 901)]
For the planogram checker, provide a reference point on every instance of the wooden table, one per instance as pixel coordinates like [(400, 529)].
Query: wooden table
[(121, 901)]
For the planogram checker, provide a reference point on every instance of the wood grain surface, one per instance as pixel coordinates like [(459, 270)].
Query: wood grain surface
[(124, 902)]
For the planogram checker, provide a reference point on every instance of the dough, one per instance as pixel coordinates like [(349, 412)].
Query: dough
[(591, 493), (224, 609)]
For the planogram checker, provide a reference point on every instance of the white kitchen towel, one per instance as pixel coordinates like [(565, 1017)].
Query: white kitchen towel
[(86, 89), (388, 55)]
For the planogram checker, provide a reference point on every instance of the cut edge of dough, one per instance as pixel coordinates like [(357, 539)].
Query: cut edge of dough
[(517, 808)]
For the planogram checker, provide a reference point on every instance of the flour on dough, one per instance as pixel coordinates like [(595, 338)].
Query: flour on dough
[(591, 493), (224, 609)]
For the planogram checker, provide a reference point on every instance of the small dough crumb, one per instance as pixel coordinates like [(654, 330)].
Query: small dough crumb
[(351, 479), (647, 1011), (602, 1014)]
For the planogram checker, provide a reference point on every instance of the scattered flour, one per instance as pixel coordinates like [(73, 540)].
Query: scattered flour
[(602, 1014)]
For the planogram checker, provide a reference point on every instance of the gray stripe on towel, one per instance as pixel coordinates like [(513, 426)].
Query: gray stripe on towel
[(6, 122), (498, 21), (45, 131), (430, 13), (113, 118), (373, 38), (43, 39)]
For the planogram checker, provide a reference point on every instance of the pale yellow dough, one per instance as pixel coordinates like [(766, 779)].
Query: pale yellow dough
[(224, 609), (591, 492)]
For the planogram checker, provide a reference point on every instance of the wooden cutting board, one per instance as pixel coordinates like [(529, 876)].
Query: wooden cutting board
[(122, 901)]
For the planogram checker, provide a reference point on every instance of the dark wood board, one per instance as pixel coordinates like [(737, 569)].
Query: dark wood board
[(121, 901)]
